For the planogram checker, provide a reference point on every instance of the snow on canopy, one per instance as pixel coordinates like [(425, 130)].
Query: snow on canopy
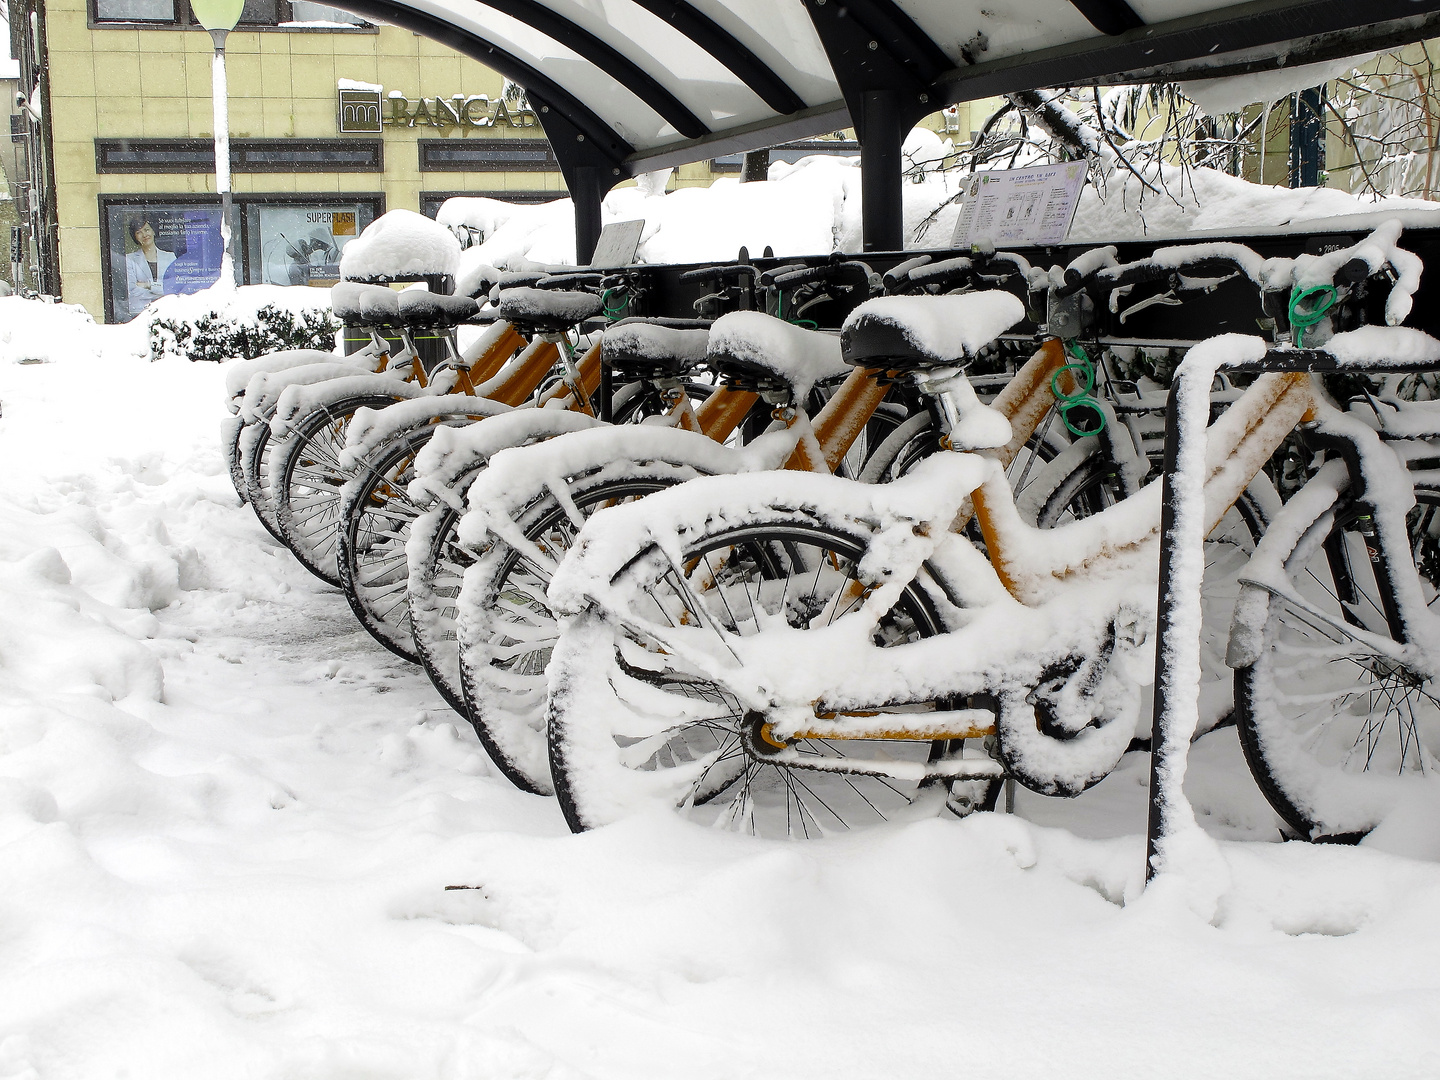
[(812, 207), (1231, 93), (400, 243)]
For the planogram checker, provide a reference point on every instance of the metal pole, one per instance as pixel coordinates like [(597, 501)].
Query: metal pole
[(587, 189), (883, 219), (220, 101), (1158, 824)]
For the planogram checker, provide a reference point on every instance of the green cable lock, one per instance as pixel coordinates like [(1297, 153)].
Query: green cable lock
[(808, 324), (614, 314), (1083, 370), (1304, 318)]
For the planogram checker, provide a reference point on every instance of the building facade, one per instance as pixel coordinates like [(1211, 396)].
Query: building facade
[(332, 122)]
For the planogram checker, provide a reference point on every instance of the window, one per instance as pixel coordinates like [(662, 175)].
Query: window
[(157, 245), (302, 11), (295, 243), (155, 155), (299, 14), (246, 155), (487, 155), (792, 152), (153, 247), (161, 11), (431, 201), (258, 13)]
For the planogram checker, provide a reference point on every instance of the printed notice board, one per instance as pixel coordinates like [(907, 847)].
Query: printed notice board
[(1020, 206)]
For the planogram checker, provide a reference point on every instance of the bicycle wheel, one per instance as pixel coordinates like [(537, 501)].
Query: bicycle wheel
[(633, 725), (506, 630), (377, 512), (256, 451), (432, 595), (306, 479), (231, 428), (1337, 727), (888, 418), (439, 561)]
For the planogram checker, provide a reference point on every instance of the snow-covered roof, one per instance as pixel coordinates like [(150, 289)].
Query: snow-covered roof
[(653, 83)]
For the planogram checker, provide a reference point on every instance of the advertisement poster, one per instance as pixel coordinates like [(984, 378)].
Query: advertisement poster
[(157, 250), (1020, 206), (300, 245)]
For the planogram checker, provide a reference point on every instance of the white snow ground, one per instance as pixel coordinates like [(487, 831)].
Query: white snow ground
[(229, 821)]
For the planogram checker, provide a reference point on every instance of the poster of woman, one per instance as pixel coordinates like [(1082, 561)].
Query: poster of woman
[(145, 266), (158, 250)]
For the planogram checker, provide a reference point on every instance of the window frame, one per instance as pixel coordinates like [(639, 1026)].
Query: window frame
[(425, 146), (805, 147), (239, 148), (517, 197)]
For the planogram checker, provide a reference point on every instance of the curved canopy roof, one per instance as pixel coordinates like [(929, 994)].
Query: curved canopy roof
[(642, 84)]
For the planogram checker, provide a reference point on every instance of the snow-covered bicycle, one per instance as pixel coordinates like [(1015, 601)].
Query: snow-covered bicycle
[(806, 654), (309, 468), (529, 505)]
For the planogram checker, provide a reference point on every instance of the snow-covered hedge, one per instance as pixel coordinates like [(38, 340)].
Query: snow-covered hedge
[(216, 338)]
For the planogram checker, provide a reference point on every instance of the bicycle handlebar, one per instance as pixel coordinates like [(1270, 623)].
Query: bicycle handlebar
[(719, 274), (786, 277), (578, 280)]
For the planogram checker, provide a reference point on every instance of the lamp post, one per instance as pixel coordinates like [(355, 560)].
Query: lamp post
[(219, 17)]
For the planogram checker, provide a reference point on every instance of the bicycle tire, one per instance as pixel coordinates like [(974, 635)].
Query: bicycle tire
[(306, 479), (231, 429), (1304, 749), (1095, 484), (431, 595), (257, 448), (435, 576), (919, 438), (505, 627), (376, 514)]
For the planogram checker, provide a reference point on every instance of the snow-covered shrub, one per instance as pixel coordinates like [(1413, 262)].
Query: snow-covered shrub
[(216, 337)]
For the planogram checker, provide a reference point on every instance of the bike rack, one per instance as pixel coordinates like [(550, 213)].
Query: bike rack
[(1182, 533)]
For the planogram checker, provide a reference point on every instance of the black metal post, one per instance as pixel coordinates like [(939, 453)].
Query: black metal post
[(607, 393), (587, 189), (881, 208), (756, 167), (1307, 137), (1158, 824)]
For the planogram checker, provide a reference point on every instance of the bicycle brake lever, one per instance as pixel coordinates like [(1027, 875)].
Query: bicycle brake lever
[(1168, 299)]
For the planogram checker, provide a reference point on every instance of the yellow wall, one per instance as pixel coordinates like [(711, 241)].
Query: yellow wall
[(155, 83)]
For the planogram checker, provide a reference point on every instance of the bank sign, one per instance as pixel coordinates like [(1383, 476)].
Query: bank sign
[(366, 112)]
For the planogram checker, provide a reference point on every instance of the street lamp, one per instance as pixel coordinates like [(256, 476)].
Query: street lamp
[(219, 17)]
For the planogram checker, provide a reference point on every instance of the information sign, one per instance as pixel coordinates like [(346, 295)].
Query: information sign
[(617, 243), (1020, 206)]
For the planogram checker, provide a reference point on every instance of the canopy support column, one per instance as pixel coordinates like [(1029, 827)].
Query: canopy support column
[(881, 195), (885, 66), (590, 170), (588, 185)]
